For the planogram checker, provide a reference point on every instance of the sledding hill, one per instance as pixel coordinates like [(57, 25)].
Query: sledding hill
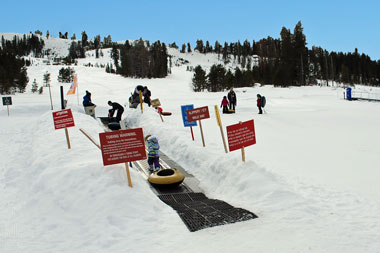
[(311, 177)]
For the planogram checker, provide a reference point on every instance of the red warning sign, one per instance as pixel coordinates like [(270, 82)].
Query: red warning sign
[(241, 135), (198, 114), (63, 119), (122, 146)]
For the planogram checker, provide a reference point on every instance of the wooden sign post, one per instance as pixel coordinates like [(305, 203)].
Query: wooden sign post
[(219, 121), (51, 100), (198, 114), (122, 147), (64, 119), (141, 101), (241, 135)]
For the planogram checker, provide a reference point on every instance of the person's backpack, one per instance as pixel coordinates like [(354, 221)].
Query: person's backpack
[(262, 101)]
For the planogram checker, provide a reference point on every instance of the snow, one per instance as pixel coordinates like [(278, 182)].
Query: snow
[(311, 178)]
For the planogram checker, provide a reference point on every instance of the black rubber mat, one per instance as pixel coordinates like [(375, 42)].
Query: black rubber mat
[(198, 212)]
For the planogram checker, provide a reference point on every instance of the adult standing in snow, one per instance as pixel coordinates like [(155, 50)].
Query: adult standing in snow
[(259, 103), (87, 99), (147, 94), (115, 107), (89, 107), (232, 99), (134, 99)]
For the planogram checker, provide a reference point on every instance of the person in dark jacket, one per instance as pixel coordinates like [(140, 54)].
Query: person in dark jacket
[(147, 94), (224, 104), (134, 99), (259, 103), (87, 99), (115, 107), (232, 99)]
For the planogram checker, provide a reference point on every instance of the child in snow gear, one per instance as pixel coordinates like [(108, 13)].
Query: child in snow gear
[(224, 104), (232, 98), (259, 103), (153, 153), (115, 107)]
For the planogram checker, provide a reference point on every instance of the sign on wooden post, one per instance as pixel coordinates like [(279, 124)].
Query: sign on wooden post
[(7, 101), (186, 122), (155, 102), (241, 135), (199, 114), (122, 147), (64, 119)]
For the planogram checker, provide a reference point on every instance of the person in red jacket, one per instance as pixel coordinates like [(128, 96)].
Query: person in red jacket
[(224, 104), (259, 103)]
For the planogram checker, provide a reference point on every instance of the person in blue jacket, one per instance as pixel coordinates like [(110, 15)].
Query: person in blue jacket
[(87, 99)]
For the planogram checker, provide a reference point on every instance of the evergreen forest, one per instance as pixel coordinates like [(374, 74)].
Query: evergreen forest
[(285, 61)]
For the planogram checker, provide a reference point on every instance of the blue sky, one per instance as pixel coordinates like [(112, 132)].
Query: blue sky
[(333, 25)]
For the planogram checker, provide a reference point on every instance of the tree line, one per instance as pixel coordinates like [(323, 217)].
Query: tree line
[(140, 59), (285, 62), (23, 46), (13, 74)]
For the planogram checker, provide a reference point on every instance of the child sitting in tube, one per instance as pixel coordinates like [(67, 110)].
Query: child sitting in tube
[(153, 153)]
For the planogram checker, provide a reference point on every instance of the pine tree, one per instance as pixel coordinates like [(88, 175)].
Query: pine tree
[(216, 77), (22, 80), (66, 75), (107, 41), (183, 49), (34, 86), (300, 53), (97, 42), (173, 45), (286, 71), (217, 48), (115, 55), (199, 79), (199, 46), (229, 80), (84, 39), (208, 48)]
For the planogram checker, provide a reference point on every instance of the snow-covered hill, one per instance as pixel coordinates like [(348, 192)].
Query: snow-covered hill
[(312, 177)]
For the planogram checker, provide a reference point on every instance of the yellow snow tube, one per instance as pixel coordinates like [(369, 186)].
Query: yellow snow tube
[(166, 177)]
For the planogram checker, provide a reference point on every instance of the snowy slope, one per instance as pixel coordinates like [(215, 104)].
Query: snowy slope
[(311, 178)]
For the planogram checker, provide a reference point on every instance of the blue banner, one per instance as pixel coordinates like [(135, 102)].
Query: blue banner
[(185, 108)]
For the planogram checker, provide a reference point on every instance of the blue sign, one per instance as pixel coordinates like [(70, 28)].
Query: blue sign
[(184, 109)]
